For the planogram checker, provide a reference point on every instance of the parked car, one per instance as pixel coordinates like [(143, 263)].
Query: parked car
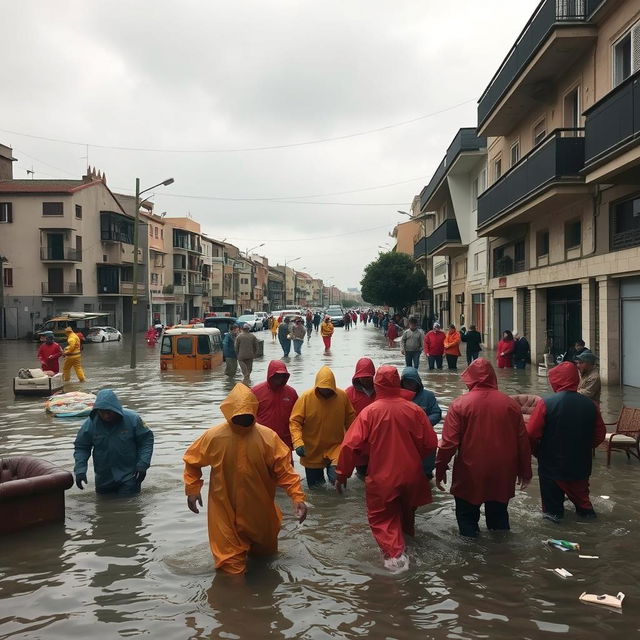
[(220, 322), (252, 320), (264, 317), (103, 334)]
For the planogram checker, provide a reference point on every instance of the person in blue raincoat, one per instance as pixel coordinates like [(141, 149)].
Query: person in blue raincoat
[(426, 399), (121, 445)]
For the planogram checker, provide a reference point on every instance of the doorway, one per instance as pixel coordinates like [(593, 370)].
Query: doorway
[(564, 317), (504, 310), (55, 246), (55, 281)]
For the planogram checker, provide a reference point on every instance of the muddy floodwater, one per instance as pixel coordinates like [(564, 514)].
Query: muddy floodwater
[(141, 567)]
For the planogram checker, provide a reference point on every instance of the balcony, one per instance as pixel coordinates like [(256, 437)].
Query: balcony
[(60, 254), (62, 289), (549, 174), (196, 289), (466, 140), (445, 240), (612, 133), (421, 248), (556, 36), (126, 288)]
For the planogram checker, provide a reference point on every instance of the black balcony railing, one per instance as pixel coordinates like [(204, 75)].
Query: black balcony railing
[(60, 254), (465, 140), (549, 15), (420, 248), (559, 158), (613, 122), (62, 289), (446, 233)]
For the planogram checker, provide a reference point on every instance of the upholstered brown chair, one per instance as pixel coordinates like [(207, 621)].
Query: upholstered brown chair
[(31, 492), (527, 404)]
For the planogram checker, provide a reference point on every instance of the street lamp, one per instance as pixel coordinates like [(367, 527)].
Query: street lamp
[(246, 253), (134, 297), (286, 262)]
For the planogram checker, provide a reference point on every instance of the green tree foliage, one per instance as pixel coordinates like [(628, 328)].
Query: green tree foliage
[(349, 303), (393, 279)]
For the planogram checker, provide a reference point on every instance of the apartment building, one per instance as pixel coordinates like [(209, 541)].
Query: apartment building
[(68, 246), (275, 289), (212, 274), (448, 204), (157, 259), (562, 209)]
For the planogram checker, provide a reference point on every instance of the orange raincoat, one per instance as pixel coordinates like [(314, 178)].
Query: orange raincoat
[(319, 424), (247, 463)]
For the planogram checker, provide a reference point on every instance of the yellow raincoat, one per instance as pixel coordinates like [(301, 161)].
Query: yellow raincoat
[(327, 329), (72, 357), (274, 327), (319, 424), (247, 463)]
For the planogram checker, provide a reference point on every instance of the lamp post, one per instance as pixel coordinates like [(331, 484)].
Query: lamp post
[(2, 322), (246, 253), (134, 297), (286, 262)]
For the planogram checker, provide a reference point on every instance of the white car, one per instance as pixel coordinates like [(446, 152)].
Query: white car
[(252, 320), (103, 334)]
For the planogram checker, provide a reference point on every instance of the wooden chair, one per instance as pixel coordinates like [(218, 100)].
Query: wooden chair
[(626, 436)]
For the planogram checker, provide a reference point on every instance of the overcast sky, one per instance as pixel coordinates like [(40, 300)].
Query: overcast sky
[(202, 75)]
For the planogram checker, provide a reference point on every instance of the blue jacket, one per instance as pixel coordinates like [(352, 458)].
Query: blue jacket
[(119, 449), (228, 345), (424, 398)]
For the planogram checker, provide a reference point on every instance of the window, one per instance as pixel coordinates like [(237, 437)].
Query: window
[(183, 346), (155, 231), (573, 234), (497, 169), (162, 233), (482, 181), (204, 345), (154, 278), (626, 55), (572, 109), (542, 243), (6, 213), (539, 132), (515, 153), (476, 261), (166, 346), (52, 209), (625, 224), (474, 195), (150, 231), (78, 212), (8, 277), (79, 277)]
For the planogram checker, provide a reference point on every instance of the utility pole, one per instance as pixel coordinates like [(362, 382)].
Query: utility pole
[(2, 319)]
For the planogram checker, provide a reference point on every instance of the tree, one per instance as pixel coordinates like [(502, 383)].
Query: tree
[(349, 303), (393, 279)]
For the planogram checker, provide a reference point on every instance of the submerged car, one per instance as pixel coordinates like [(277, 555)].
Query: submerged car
[(337, 316), (252, 320), (103, 334)]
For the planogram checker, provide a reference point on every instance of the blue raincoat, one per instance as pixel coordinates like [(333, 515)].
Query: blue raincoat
[(119, 449), (427, 401), (228, 345)]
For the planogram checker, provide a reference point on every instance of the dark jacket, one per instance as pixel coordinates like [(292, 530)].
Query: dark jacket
[(522, 349), (424, 398), (473, 340), (119, 449), (283, 331), (565, 428), (228, 345)]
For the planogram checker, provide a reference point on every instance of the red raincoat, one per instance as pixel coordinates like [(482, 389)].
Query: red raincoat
[(49, 355), (364, 369), (398, 436), (275, 404), (507, 347), (484, 429), (434, 343)]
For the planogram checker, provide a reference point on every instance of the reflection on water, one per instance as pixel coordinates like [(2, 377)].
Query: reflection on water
[(141, 566)]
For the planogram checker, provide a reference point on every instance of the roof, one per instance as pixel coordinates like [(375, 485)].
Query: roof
[(45, 186)]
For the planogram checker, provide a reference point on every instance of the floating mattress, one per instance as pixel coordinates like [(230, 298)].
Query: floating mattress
[(70, 405)]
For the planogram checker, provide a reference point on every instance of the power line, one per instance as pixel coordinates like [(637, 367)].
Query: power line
[(337, 235), (245, 149)]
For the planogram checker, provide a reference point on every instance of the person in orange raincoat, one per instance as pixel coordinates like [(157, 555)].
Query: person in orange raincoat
[(276, 400), (485, 431), (318, 422), (361, 394), (326, 331), (247, 462), (452, 347), (397, 435)]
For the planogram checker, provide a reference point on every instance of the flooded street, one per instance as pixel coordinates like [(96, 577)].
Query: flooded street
[(142, 566)]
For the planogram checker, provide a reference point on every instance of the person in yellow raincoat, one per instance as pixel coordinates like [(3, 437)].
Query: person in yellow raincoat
[(72, 357), (318, 422), (275, 323), (247, 462)]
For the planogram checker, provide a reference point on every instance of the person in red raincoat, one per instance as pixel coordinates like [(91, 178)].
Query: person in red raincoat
[(392, 333), (434, 346), (484, 429), (276, 399), (563, 430), (505, 349), (49, 353), (361, 394), (398, 436)]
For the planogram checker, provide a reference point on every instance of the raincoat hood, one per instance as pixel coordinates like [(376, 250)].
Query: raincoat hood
[(364, 369), (387, 381), (564, 377), (325, 379), (240, 401), (275, 367), (411, 373), (480, 373), (68, 330), (107, 400)]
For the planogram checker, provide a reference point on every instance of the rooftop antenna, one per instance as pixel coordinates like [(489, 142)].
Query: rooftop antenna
[(31, 172)]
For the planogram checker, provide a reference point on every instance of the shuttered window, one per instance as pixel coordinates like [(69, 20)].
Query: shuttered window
[(6, 212)]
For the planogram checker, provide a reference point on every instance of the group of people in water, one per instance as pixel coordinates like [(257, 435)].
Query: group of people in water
[(381, 427)]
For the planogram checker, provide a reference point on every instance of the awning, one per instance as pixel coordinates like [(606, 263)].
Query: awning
[(228, 301)]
